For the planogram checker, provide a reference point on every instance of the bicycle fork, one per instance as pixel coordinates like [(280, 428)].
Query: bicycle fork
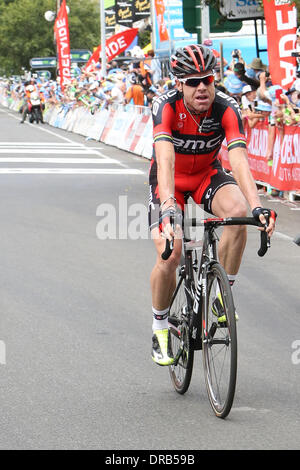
[(200, 312)]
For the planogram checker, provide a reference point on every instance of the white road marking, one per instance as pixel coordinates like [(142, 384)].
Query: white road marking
[(62, 137), (69, 160), (70, 171), (283, 236), (53, 151)]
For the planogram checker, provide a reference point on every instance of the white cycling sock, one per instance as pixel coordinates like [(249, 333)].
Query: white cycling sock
[(231, 279), (160, 319)]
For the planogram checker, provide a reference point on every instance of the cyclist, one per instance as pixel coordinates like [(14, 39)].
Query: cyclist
[(189, 125)]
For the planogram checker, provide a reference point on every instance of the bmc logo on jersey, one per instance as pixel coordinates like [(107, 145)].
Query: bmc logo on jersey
[(189, 145), (160, 99)]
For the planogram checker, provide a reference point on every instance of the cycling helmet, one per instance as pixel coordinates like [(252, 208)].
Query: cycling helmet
[(192, 59)]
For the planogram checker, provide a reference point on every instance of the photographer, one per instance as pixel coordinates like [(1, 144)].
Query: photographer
[(240, 72), (236, 57)]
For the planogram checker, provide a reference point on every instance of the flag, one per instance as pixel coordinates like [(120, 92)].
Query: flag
[(113, 46), (281, 22), (162, 28), (61, 30)]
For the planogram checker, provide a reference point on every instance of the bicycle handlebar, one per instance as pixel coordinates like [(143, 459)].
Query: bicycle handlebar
[(168, 250), (215, 222)]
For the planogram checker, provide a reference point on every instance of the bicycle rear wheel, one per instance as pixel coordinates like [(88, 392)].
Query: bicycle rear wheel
[(181, 371), (220, 342)]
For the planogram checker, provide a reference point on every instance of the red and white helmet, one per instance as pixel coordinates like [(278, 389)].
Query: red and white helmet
[(192, 59)]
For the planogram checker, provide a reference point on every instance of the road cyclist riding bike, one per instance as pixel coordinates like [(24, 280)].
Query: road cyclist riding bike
[(190, 123)]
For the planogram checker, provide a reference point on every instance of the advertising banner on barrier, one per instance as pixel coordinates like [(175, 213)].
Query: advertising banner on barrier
[(281, 22), (284, 173)]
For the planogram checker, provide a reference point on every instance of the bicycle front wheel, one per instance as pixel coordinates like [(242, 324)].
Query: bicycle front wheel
[(219, 342), (181, 371)]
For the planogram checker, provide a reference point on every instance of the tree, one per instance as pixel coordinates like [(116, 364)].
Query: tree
[(24, 32)]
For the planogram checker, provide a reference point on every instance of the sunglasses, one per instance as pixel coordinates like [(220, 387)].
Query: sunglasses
[(195, 81)]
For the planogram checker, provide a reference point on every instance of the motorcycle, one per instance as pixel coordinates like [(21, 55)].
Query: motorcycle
[(35, 108)]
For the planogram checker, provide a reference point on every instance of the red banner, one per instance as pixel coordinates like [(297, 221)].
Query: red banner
[(61, 29), (284, 173), (162, 28), (113, 47), (281, 21)]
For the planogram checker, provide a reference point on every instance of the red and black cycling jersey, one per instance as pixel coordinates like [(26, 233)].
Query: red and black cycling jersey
[(195, 150)]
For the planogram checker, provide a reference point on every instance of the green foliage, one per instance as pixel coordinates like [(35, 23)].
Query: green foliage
[(144, 38), (24, 32)]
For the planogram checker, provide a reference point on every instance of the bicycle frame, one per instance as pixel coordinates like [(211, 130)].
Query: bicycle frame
[(208, 257), (202, 315)]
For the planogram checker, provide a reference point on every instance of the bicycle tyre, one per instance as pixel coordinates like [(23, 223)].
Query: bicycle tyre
[(180, 337), (219, 343)]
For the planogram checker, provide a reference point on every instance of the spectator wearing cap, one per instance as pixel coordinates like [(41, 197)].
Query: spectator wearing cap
[(240, 72), (234, 86), (249, 100), (249, 96), (263, 110)]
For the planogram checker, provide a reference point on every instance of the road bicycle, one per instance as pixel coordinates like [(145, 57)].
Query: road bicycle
[(194, 321)]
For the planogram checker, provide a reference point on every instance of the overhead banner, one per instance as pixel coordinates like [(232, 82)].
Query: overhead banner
[(61, 29), (113, 47), (110, 15), (124, 13), (141, 9), (281, 22), (162, 28)]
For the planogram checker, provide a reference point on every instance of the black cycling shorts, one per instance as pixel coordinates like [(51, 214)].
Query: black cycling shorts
[(200, 186)]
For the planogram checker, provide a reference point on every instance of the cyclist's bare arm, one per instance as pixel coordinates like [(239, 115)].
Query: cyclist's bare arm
[(241, 171)]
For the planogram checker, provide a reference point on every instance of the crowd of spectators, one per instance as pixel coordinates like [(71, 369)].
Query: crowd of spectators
[(140, 78)]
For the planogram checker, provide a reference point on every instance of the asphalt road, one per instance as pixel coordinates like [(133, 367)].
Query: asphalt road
[(75, 312)]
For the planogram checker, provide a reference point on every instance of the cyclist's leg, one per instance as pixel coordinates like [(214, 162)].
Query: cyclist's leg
[(230, 202), (164, 272), (163, 280), (221, 196)]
